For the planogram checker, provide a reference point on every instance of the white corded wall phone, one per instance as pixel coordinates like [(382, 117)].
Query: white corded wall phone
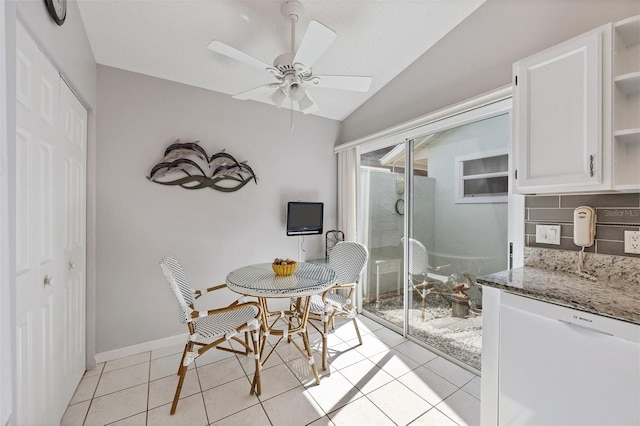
[(584, 226), (584, 233)]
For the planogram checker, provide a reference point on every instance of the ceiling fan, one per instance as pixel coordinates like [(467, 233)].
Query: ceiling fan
[(292, 70)]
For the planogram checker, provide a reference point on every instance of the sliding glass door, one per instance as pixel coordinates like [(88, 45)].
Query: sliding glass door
[(381, 228), (436, 205)]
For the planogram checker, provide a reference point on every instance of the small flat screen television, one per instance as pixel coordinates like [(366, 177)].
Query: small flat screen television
[(304, 218)]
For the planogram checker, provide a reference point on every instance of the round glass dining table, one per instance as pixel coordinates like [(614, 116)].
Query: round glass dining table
[(260, 281)]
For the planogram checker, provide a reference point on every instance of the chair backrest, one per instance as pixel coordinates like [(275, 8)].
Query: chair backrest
[(348, 259), (418, 258), (179, 284), (331, 238)]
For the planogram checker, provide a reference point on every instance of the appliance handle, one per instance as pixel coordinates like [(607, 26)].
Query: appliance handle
[(585, 327)]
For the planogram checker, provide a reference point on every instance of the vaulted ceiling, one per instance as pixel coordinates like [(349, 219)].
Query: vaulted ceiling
[(168, 39)]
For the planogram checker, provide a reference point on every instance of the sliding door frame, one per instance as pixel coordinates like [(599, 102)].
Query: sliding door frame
[(486, 106)]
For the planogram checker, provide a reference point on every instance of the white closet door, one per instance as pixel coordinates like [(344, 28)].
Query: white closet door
[(50, 316), (73, 137)]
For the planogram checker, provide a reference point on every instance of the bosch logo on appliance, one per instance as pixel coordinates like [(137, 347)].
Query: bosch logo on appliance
[(582, 318)]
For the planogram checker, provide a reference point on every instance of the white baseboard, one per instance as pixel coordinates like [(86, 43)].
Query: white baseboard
[(141, 347)]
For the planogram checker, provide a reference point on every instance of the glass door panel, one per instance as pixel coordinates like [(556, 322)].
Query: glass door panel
[(457, 232), (451, 203), (381, 227)]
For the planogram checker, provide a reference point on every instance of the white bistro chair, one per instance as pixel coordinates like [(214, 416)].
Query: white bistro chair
[(418, 272), (210, 328), (348, 259)]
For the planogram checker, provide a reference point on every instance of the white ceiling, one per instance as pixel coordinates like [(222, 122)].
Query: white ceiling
[(168, 39)]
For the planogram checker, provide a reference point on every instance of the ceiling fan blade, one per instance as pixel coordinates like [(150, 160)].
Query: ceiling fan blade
[(355, 83), (257, 92), (315, 41), (233, 53)]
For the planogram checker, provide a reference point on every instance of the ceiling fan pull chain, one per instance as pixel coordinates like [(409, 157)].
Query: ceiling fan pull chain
[(291, 126)]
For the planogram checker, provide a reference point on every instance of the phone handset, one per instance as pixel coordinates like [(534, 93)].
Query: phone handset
[(584, 226), (584, 233)]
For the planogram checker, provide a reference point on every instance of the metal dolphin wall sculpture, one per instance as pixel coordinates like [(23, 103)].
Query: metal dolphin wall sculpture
[(184, 164)]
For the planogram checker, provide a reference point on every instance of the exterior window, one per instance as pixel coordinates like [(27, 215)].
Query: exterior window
[(482, 177)]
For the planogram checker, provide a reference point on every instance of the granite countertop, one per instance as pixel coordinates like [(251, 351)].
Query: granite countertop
[(616, 299)]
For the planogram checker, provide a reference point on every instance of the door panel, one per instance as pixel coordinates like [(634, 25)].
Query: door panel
[(23, 202), (74, 140), (449, 235), (37, 264), (50, 314)]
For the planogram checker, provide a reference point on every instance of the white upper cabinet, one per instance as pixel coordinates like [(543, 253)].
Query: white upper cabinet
[(562, 122), (626, 104)]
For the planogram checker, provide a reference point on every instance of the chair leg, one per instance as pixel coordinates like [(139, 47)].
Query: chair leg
[(422, 306), (305, 340), (324, 346), (256, 385), (184, 354), (355, 324), (182, 371)]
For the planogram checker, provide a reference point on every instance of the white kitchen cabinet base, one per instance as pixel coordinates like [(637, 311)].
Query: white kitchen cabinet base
[(559, 366)]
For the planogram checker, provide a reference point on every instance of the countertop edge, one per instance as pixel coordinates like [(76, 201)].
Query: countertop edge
[(501, 283)]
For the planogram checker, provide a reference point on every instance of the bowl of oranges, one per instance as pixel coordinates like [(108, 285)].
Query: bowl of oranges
[(284, 267)]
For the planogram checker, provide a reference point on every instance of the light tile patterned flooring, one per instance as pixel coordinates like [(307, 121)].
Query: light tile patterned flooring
[(388, 380)]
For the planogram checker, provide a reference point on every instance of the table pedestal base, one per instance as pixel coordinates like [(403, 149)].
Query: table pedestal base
[(294, 322)]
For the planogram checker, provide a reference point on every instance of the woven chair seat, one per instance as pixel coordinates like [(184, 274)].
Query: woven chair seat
[(218, 325), (336, 300), (211, 327)]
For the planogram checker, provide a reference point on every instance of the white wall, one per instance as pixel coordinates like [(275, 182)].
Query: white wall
[(210, 232), (476, 57), (67, 47)]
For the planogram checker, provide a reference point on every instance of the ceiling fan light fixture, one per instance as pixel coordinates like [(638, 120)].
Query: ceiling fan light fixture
[(306, 104), (295, 91), (278, 97)]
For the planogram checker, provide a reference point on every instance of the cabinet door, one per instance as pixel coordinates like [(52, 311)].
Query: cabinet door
[(558, 120)]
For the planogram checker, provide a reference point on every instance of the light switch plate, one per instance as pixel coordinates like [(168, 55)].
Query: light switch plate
[(632, 242), (548, 234)]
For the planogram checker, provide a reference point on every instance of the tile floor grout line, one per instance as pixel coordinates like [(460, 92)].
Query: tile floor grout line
[(146, 414), (93, 395), (206, 412), (443, 413), (290, 368)]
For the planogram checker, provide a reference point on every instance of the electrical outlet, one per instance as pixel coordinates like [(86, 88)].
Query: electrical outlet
[(632, 242)]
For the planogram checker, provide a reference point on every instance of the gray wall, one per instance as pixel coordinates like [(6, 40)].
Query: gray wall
[(210, 232), (476, 57)]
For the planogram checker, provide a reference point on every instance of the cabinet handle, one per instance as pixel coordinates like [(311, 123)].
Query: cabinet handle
[(591, 165), (585, 327), (47, 280)]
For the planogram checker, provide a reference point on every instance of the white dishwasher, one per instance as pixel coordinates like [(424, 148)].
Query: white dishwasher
[(559, 366)]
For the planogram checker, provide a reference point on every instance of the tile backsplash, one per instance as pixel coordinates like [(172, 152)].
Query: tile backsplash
[(616, 213)]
